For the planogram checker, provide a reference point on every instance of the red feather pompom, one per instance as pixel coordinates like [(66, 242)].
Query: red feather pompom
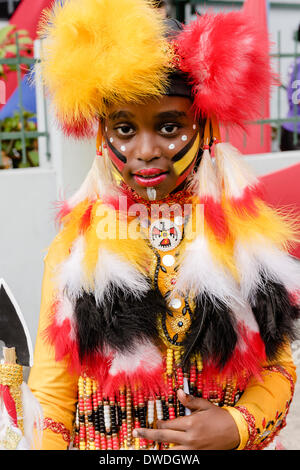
[(80, 129), (227, 58)]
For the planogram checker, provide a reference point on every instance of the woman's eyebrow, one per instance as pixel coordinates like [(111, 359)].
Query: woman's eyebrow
[(171, 114), (120, 115)]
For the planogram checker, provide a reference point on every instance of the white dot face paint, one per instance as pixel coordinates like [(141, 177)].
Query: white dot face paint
[(171, 147), (184, 138), (111, 140), (123, 148), (194, 127), (106, 129)]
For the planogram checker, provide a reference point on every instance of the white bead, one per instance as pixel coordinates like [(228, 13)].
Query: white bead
[(178, 220), (168, 260), (150, 412), (159, 410), (107, 421), (175, 303)]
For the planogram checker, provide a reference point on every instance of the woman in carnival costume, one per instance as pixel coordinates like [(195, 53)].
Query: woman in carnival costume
[(169, 288)]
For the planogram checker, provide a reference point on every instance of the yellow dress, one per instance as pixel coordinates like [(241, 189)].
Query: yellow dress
[(259, 413)]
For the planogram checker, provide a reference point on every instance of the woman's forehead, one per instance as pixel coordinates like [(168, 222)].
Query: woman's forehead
[(166, 106)]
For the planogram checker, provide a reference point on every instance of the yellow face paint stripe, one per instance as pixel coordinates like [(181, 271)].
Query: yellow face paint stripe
[(181, 165)]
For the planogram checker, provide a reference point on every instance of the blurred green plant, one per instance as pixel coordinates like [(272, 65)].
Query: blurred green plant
[(8, 46), (12, 149)]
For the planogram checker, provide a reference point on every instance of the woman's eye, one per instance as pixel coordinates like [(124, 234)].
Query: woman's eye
[(125, 130), (169, 129)]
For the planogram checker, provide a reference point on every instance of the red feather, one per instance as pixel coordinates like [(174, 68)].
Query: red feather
[(215, 217), (227, 58), (9, 403), (63, 209), (247, 204), (86, 218), (80, 129)]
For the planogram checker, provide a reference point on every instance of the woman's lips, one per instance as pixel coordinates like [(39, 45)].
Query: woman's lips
[(150, 177)]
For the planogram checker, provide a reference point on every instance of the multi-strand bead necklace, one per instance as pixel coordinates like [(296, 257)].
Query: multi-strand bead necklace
[(106, 422)]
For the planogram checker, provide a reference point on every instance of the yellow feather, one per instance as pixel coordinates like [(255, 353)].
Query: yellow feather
[(70, 230), (222, 253), (99, 52), (111, 233), (276, 225)]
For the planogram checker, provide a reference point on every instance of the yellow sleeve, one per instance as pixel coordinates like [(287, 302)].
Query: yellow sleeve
[(261, 411), (49, 380)]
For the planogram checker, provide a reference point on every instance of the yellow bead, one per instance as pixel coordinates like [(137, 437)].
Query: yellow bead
[(136, 443)]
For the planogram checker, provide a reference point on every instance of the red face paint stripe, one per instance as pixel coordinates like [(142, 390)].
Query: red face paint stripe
[(114, 155), (185, 174)]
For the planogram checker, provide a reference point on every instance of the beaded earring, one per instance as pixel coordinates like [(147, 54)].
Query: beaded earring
[(100, 143)]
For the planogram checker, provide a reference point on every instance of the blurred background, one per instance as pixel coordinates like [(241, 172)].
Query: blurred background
[(39, 166)]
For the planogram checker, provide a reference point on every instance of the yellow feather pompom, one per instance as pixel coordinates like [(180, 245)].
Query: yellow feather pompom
[(99, 52)]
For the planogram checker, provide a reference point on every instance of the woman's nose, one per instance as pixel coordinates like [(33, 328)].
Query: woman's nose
[(147, 148)]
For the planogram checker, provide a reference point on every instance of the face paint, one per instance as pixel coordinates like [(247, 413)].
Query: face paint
[(118, 159), (186, 155), (151, 193), (184, 161)]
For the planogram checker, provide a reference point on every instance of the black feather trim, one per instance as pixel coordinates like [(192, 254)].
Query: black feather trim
[(118, 321), (276, 315), (212, 332)]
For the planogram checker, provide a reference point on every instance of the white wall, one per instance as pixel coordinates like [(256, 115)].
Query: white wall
[(26, 229)]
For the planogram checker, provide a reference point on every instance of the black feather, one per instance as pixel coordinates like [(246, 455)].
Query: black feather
[(276, 315), (118, 321), (212, 332)]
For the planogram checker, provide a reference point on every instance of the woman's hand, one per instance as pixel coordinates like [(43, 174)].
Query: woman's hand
[(208, 427)]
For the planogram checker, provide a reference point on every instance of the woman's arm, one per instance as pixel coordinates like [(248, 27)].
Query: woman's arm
[(49, 380), (261, 411), (252, 423)]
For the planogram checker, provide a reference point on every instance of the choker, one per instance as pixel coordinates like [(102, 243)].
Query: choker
[(179, 197)]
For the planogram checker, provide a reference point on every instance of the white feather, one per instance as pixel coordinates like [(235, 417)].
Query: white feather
[(6, 426), (99, 182), (279, 266), (70, 271), (232, 170), (65, 311), (32, 417), (143, 354), (263, 258), (248, 269), (205, 181), (244, 314), (114, 272), (200, 274)]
